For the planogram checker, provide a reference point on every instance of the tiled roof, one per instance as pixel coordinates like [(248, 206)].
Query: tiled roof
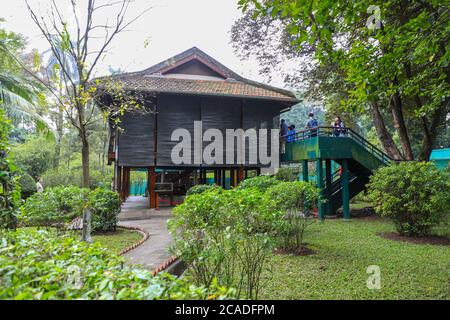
[(152, 80), (199, 87)]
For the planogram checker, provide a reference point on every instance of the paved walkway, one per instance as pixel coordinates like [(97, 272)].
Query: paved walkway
[(154, 251)]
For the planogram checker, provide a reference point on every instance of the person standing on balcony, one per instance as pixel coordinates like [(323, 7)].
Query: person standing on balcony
[(291, 133), (312, 125), (338, 127)]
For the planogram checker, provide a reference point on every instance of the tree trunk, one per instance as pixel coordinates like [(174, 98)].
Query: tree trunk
[(383, 134), (60, 131), (400, 126), (431, 132), (86, 231), (85, 160)]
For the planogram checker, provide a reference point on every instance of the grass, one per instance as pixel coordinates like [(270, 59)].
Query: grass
[(115, 241), (118, 240), (344, 251)]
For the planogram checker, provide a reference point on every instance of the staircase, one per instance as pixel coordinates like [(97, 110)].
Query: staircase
[(358, 158)]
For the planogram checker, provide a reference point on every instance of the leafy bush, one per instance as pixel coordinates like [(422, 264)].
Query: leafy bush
[(198, 189), (37, 264), (61, 205), (286, 174), (73, 177), (218, 234), (27, 185), (293, 203), (105, 206), (9, 188), (415, 195), (54, 206), (260, 182), (35, 156)]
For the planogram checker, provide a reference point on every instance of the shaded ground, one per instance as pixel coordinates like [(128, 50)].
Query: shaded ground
[(435, 240), (154, 251), (344, 251)]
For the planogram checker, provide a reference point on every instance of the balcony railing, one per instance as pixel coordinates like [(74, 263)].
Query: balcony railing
[(338, 133)]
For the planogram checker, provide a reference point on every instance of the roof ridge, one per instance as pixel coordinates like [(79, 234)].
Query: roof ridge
[(225, 71)]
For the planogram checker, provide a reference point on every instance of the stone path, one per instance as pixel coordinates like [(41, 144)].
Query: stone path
[(154, 251)]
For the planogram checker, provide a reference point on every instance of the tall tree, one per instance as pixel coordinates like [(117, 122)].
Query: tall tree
[(19, 94), (79, 45), (390, 57)]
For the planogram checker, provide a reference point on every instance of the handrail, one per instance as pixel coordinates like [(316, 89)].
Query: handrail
[(346, 132)]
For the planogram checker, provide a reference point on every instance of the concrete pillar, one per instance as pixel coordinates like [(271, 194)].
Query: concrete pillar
[(329, 204), (345, 190), (305, 170), (319, 177)]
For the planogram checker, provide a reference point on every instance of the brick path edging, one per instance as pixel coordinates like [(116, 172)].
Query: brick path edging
[(145, 235)]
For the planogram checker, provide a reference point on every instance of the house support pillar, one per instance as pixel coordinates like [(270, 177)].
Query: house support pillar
[(345, 190), (319, 176), (329, 204), (152, 196), (305, 170)]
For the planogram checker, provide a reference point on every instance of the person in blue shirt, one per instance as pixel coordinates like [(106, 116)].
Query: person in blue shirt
[(291, 133), (312, 125)]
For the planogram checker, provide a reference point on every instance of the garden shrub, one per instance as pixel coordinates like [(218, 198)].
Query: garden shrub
[(286, 174), (414, 195), (27, 185), (9, 187), (39, 265), (218, 234), (260, 182), (35, 156), (293, 203), (198, 189), (105, 205), (73, 177), (54, 206)]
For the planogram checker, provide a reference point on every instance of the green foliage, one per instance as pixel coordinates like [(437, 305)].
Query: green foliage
[(9, 188), (38, 265), (63, 177), (105, 206), (54, 206), (399, 64), (27, 185), (286, 174), (198, 189), (337, 271), (293, 202), (415, 195), (260, 182), (60, 205), (219, 234), (35, 156)]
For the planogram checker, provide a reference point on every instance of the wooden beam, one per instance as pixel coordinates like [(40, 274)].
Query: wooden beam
[(152, 196)]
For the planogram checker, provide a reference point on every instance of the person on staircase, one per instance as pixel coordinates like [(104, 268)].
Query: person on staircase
[(338, 127), (291, 133), (312, 124)]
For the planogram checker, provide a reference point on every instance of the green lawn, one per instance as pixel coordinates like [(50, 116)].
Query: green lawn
[(344, 251), (119, 240), (116, 241)]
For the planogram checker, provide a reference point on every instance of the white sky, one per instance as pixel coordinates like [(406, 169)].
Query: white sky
[(171, 27)]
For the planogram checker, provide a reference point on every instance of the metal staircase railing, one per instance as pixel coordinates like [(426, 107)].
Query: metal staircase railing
[(339, 133)]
